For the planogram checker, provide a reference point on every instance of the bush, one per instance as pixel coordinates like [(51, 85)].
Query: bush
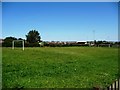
[(7, 44), (32, 44)]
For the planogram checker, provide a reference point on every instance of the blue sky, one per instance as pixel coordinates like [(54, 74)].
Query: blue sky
[(61, 21)]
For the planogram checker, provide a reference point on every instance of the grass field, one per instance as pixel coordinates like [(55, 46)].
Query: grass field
[(59, 67)]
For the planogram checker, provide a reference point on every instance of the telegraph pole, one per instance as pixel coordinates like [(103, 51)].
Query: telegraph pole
[(94, 36)]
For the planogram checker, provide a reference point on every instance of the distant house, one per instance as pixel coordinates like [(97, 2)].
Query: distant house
[(90, 43), (1, 41)]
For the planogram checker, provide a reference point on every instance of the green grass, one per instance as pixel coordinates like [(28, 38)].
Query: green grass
[(59, 67)]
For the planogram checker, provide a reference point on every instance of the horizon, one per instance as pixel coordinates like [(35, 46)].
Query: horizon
[(69, 40), (62, 21)]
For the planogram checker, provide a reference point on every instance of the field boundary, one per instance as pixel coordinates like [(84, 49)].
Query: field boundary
[(115, 85)]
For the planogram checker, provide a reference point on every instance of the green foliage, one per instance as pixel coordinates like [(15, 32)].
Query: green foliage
[(59, 67), (36, 44), (8, 41), (20, 39), (33, 36)]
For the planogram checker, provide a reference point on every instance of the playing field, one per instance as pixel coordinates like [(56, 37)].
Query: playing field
[(58, 67)]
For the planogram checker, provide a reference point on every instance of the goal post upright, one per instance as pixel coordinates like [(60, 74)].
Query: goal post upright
[(23, 45), (13, 43)]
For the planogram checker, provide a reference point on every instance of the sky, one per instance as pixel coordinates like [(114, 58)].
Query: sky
[(0, 20), (61, 21)]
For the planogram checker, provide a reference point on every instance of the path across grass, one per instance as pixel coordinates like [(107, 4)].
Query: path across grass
[(59, 67)]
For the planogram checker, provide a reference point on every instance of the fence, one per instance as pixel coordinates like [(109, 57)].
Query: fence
[(115, 85)]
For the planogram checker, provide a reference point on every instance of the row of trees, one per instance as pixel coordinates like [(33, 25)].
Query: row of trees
[(32, 39)]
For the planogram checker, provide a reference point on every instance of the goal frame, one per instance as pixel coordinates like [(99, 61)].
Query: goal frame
[(13, 43)]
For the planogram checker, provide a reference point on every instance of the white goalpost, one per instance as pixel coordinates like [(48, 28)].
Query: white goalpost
[(13, 43)]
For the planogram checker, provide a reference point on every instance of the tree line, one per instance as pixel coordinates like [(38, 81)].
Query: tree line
[(33, 38)]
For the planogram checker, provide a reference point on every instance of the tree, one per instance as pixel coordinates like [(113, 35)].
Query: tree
[(20, 39), (8, 41), (33, 36)]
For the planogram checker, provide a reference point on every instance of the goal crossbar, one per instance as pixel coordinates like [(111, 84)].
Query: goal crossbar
[(13, 42)]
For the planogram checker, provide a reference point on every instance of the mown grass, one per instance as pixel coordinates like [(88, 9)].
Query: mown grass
[(59, 67)]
